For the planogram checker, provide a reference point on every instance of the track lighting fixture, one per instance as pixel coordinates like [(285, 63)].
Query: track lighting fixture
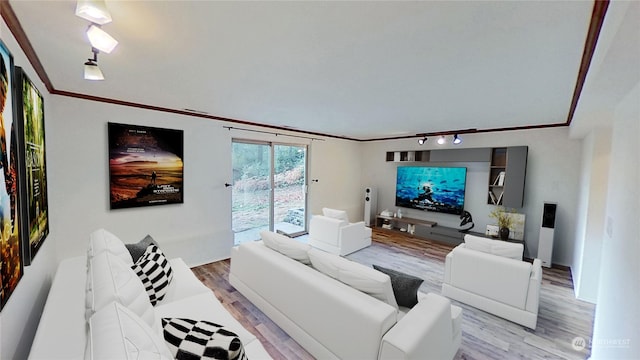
[(100, 39), (441, 140), (91, 69), (422, 141), (94, 11), (456, 139)]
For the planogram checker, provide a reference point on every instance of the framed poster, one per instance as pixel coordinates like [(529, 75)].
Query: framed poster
[(145, 166), (33, 166), (11, 268)]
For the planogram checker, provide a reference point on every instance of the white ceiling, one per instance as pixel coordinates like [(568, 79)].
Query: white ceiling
[(363, 70)]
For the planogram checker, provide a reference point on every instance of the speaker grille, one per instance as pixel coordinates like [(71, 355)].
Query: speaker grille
[(549, 216)]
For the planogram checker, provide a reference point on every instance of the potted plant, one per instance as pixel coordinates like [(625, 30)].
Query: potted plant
[(504, 220)]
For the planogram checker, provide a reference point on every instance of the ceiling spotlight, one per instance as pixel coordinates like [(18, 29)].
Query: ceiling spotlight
[(441, 140), (422, 141), (91, 69), (94, 11), (456, 139), (100, 39)]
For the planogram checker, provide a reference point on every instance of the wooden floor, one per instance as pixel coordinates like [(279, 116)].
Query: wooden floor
[(561, 317)]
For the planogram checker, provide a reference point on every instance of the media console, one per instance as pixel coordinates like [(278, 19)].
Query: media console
[(429, 230), (422, 229)]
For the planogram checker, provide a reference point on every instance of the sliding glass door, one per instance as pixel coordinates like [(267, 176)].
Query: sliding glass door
[(269, 189)]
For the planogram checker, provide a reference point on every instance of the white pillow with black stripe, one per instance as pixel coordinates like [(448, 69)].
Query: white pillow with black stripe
[(191, 339), (154, 270)]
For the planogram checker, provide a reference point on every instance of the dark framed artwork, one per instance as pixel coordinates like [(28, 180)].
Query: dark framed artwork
[(33, 165), (11, 267), (145, 166)]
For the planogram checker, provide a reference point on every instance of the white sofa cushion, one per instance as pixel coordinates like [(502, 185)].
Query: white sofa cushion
[(199, 339), (286, 246), (102, 240), (495, 247), (154, 270), (358, 276), (110, 279), (183, 285), (335, 214), (116, 332)]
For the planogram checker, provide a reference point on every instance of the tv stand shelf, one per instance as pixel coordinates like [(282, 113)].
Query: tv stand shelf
[(422, 229)]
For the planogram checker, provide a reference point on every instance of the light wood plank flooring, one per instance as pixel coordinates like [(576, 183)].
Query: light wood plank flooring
[(484, 336)]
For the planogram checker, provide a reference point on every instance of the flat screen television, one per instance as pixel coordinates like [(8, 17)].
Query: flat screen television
[(439, 189)]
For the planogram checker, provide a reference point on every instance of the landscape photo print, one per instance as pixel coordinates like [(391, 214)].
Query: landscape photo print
[(145, 166)]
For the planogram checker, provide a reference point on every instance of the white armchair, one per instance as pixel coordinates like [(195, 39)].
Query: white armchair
[(491, 276), (333, 233)]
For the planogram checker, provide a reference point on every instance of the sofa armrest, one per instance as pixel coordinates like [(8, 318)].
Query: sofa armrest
[(448, 261), (353, 231), (535, 282), (425, 332)]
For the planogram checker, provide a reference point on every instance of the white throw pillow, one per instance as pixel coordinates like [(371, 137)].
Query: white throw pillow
[(110, 279), (335, 214), (102, 240), (358, 276), (286, 246), (495, 247), (326, 263), (116, 332)]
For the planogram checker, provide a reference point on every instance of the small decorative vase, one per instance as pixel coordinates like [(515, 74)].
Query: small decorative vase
[(504, 233)]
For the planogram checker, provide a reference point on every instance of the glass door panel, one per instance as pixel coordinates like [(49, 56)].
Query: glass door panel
[(289, 191), (251, 194)]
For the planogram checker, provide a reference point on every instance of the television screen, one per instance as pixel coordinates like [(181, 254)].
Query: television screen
[(439, 189)]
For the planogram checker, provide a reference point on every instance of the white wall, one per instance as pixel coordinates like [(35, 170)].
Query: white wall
[(617, 317), (19, 318), (585, 269), (553, 170), (336, 164), (198, 230)]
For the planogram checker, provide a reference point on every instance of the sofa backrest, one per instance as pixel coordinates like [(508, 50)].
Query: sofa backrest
[(335, 214), (495, 277), (326, 229), (495, 247)]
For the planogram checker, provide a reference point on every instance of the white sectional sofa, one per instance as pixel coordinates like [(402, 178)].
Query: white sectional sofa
[(490, 275), (333, 320), (80, 322)]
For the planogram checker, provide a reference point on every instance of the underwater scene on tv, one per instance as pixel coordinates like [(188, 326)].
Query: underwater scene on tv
[(439, 189)]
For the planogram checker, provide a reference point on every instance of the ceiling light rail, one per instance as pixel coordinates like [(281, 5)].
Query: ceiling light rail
[(442, 136), (273, 133)]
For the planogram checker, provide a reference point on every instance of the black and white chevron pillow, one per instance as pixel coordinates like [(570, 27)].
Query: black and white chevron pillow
[(154, 270), (190, 339)]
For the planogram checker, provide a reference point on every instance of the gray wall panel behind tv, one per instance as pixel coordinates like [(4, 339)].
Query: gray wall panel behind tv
[(461, 155)]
